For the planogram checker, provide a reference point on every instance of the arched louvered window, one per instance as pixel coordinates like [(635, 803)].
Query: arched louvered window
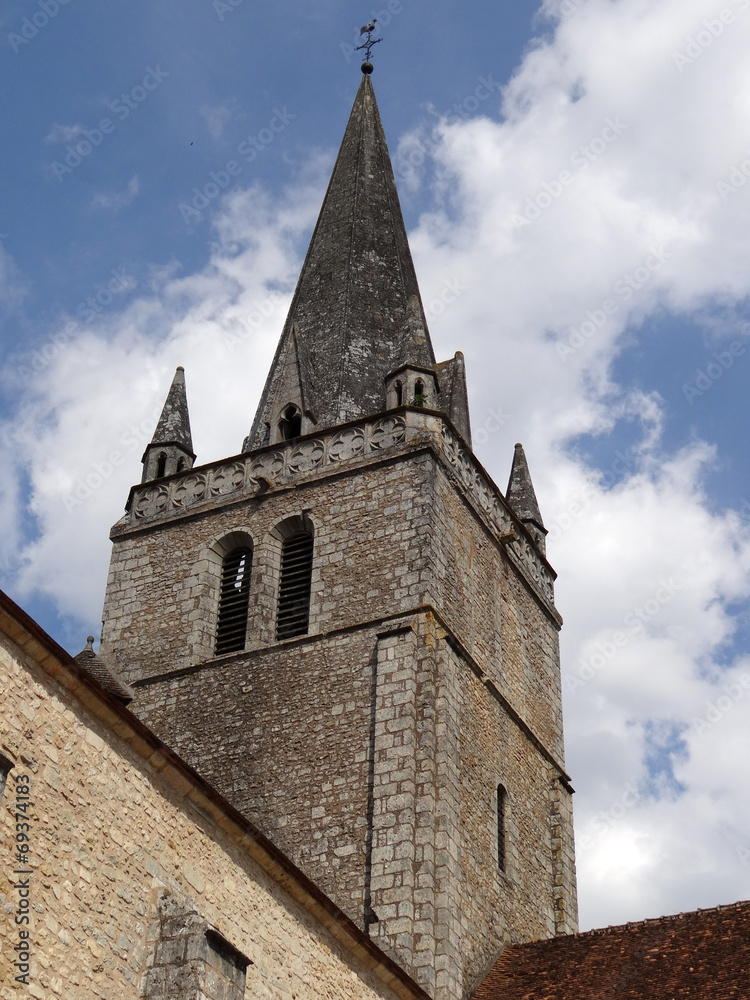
[(233, 601), (502, 797), (294, 589)]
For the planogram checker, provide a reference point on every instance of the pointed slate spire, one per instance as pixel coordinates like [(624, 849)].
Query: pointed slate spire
[(357, 294), (171, 448), (522, 498)]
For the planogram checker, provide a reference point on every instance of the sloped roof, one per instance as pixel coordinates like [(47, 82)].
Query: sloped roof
[(703, 955), (96, 667), (174, 422), (357, 310)]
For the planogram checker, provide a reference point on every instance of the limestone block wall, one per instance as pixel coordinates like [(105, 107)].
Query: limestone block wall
[(370, 560), (373, 758), (116, 827), (495, 614)]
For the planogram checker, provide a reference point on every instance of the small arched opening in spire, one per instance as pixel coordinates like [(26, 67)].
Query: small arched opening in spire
[(290, 425), (161, 465), (399, 392), (420, 396)]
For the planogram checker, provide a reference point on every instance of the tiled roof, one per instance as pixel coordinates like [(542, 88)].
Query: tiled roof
[(703, 955)]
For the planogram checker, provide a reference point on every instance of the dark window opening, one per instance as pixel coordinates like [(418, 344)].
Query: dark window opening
[(181, 465), (161, 465), (399, 394), (294, 589), (233, 601), (6, 766), (501, 809), (291, 423), (420, 398)]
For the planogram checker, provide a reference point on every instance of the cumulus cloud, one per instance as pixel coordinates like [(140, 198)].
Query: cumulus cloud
[(581, 202)]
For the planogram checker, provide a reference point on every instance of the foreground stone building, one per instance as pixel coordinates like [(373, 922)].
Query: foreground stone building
[(346, 636)]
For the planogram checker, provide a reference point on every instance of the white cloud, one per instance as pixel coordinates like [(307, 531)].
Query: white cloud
[(115, 201), (216, 119), (64, 133), (609, 155)]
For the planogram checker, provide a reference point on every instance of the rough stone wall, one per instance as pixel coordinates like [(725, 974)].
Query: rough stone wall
[(494, 614), (108, 839), (370, 560), (371, 750), (284, 735)]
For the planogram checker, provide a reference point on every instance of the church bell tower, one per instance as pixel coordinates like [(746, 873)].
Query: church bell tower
[(347, 628)]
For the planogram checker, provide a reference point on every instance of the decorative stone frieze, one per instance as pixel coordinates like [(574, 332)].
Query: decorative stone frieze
[(283, 465)]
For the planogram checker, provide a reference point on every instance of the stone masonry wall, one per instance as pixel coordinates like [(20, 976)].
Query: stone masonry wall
[(371, 749), (371, 545), (109, 838)]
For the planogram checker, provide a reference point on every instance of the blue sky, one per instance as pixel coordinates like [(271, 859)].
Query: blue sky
[(578, 170)]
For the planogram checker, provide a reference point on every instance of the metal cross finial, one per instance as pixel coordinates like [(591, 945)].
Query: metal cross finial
[(368, 44)]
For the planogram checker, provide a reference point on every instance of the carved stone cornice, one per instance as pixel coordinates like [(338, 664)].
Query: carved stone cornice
[(400, 431)]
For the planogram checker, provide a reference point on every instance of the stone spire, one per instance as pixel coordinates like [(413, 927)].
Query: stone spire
[(171, 448), (522, 498), (357, 301)]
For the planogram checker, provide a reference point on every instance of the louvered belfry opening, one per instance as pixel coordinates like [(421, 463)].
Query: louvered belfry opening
[(294, 590), (233, 601)]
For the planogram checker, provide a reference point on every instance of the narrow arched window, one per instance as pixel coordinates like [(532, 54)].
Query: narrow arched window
[(294, 588), (161, 465), (290, 425), (233, 601), (502, 797), (399, 393), (181, 465)]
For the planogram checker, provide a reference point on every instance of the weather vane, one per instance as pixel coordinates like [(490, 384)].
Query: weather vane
[(367, 45)]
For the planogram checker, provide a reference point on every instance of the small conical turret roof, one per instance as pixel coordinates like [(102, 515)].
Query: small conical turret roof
[(97, 668), (520, 494), (174, 422), (357, 296)]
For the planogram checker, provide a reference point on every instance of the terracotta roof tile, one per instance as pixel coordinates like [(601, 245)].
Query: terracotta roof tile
[(703, 955)]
